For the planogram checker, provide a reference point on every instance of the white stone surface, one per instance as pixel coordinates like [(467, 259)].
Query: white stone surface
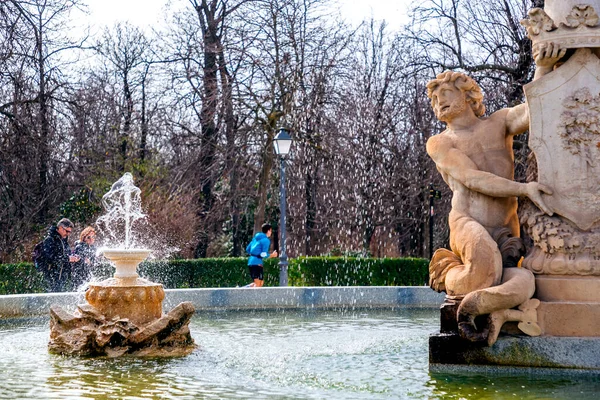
[(558, 10), (25, 305), (565, 136)]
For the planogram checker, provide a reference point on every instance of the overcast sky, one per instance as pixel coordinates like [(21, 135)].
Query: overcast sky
[(148, 12)]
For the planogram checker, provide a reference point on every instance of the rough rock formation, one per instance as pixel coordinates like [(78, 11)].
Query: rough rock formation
[(87, 332)]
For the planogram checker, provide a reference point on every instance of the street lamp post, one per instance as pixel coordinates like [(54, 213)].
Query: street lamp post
[(433, 195), (282, 144)]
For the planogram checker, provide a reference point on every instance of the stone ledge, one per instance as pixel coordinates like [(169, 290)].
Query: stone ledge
[(496, 370), (516, 351), (306, 297), (23, 305)]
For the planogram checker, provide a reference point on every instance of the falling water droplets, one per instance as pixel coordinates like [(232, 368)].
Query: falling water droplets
[(123, 205)]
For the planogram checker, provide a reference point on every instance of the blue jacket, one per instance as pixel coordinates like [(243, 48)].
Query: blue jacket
[(264, 245)]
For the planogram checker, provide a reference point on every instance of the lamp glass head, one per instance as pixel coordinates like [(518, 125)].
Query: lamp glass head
[(282, 142)]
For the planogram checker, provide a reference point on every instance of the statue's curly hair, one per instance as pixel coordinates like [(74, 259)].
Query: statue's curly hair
[(462, 82)]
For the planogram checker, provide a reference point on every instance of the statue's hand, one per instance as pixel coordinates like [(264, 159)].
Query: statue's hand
[(534, 191), (546, 55)]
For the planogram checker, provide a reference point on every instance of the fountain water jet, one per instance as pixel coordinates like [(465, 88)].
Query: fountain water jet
[(124, 315)]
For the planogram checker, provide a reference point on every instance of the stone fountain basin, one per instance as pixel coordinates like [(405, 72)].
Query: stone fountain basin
[(123, 316), (126, 260), (126, 295), (136, 299)]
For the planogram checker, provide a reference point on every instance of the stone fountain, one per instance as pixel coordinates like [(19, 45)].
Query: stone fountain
[(124, 313), (514, 302)]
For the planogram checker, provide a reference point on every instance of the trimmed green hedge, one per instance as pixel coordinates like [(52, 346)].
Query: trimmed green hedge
[(231, 272), (20, 278), (349, 271), (206, 272)]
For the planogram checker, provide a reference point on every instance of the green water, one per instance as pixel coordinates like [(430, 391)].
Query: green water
[(270, 355)]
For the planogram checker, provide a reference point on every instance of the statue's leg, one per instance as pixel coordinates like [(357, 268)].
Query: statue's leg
[(481, 260), (481, 269), (518, 286)]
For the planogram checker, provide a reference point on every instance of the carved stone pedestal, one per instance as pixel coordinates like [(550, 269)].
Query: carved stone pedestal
[(137, 299), (570, 305), (448, 312), (87, 332)]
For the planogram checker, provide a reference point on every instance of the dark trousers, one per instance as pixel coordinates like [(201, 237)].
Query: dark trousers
[(56, 279)]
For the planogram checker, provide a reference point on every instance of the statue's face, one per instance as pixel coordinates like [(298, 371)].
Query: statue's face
[(448, 102)]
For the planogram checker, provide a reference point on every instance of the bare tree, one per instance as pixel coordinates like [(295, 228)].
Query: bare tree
[(36, 52), (482, 38), (127, 49), (291, 60)]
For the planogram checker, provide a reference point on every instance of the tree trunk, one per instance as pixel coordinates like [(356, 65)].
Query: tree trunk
[(311, 213), (144, 119), (208, 112), (44, 127), (231, 155), (128, 113), (265, 173)]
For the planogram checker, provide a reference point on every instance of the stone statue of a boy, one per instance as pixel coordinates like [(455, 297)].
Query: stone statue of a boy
[(474, 156)]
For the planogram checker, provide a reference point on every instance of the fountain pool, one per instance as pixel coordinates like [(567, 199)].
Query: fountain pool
[(291, 354)]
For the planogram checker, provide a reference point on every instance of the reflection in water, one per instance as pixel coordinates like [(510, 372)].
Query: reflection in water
[(513, 386), (267, 355)]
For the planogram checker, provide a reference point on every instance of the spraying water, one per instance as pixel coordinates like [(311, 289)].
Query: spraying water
[(123, 205)]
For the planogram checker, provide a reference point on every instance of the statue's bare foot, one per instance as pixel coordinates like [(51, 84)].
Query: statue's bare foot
[(468, 330)]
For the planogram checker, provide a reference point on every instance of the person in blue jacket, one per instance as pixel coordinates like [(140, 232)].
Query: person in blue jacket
[(259, 249)]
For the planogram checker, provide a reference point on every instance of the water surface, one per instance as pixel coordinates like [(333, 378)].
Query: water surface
[(270, 355)]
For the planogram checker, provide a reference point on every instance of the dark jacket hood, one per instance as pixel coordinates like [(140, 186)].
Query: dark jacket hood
[(53, 231)]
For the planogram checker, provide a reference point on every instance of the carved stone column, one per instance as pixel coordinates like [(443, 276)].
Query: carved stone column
[(565, 138)]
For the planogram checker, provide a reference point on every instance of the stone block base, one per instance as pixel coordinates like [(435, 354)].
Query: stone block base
[(567, 288), (570, 305), (569, 319), (516, 351)]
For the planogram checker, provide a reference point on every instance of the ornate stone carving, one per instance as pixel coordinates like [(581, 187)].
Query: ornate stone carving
[(88, 332), (566, 23), (582, 15), (113, 297), (124, 317), (581, 124), (563, 135), (538, 22), (560, 248)]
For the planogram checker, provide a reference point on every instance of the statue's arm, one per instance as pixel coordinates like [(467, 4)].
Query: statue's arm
[(461, 168), (545, 57), (517, 119), (456, 164)]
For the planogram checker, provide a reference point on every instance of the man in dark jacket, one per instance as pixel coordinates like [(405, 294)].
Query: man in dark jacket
[(55, 261)]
